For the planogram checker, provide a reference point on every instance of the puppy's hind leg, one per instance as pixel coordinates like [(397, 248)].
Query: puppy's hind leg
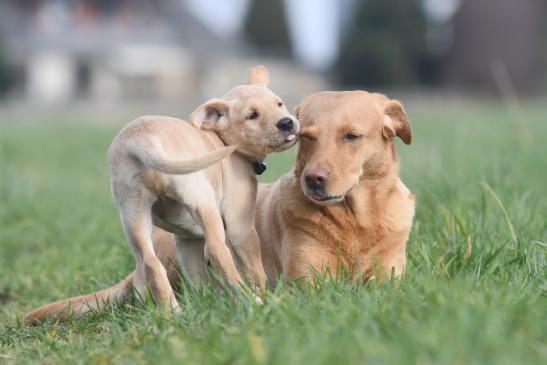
[(137, 226)]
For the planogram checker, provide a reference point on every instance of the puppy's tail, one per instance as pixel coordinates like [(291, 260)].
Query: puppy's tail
[(154, 160), (80, 305)]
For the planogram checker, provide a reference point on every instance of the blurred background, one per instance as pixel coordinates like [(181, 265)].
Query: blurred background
[(166, 56)]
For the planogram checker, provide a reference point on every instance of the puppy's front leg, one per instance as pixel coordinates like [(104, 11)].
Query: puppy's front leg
[(246, 247), (239, 214), (216, 247)]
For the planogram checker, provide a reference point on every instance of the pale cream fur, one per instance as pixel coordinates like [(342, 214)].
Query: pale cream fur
[(187, 179)]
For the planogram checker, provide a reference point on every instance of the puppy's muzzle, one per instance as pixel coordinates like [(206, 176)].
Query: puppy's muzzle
[(285, 124), (287, 129)]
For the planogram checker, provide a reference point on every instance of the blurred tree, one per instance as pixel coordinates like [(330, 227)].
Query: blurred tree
[(386, 45), (266, 26), (543, 57), (6, 74)]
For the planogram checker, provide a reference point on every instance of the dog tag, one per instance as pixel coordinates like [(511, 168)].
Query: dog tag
[(259, 167)]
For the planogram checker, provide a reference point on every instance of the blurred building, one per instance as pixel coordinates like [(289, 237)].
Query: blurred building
[(123, 50), (102, 49), (495, 39)]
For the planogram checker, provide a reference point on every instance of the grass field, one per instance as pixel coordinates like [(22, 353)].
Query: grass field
[(474, 292)]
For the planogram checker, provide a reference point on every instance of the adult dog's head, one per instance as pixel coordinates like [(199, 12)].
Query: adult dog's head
[(346, 137)]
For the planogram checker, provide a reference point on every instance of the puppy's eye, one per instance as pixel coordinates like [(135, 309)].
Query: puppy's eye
[(279, 103), (253, 116), (351, 137)]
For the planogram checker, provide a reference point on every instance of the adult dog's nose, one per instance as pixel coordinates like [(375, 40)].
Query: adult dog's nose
[(285, 124), (316, 179)]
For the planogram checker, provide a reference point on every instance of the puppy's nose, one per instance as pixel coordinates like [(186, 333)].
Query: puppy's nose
[(316, 179), (285, 124)]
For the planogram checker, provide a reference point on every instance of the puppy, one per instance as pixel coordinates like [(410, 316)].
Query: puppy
[(343, 205), (166, 172)]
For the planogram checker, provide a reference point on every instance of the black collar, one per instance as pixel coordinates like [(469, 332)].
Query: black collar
[(259, 167)]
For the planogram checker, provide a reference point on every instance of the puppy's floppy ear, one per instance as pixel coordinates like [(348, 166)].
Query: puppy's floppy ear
[(214, 114), (259, 75), (396, 121)]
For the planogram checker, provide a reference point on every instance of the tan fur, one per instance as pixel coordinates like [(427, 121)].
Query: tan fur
[(164, 171), (365, 226)]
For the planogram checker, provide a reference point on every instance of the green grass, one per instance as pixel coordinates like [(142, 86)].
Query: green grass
[(474, 292)]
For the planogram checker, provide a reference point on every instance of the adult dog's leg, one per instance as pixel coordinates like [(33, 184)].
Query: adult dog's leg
[(78, 306), (164, 246), (137, 226), (190, 252)]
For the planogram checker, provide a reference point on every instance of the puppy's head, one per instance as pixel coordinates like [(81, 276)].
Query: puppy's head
[(346, 137), (251, 117)]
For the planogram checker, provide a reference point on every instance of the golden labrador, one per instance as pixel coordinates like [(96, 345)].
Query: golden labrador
[(343, 204)]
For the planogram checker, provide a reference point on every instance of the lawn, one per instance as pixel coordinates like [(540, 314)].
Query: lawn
[(474, 290)]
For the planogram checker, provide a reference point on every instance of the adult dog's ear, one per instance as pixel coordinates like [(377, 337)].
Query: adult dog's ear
[(396, 121), (296, 111), (212, 115), (259, 75)]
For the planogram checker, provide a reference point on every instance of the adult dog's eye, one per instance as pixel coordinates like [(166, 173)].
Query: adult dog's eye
[(307, 137), (253, 116), (279, 103), (351, 137)]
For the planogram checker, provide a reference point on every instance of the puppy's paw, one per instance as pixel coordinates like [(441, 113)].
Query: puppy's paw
[(175, 307), (258, 300)]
